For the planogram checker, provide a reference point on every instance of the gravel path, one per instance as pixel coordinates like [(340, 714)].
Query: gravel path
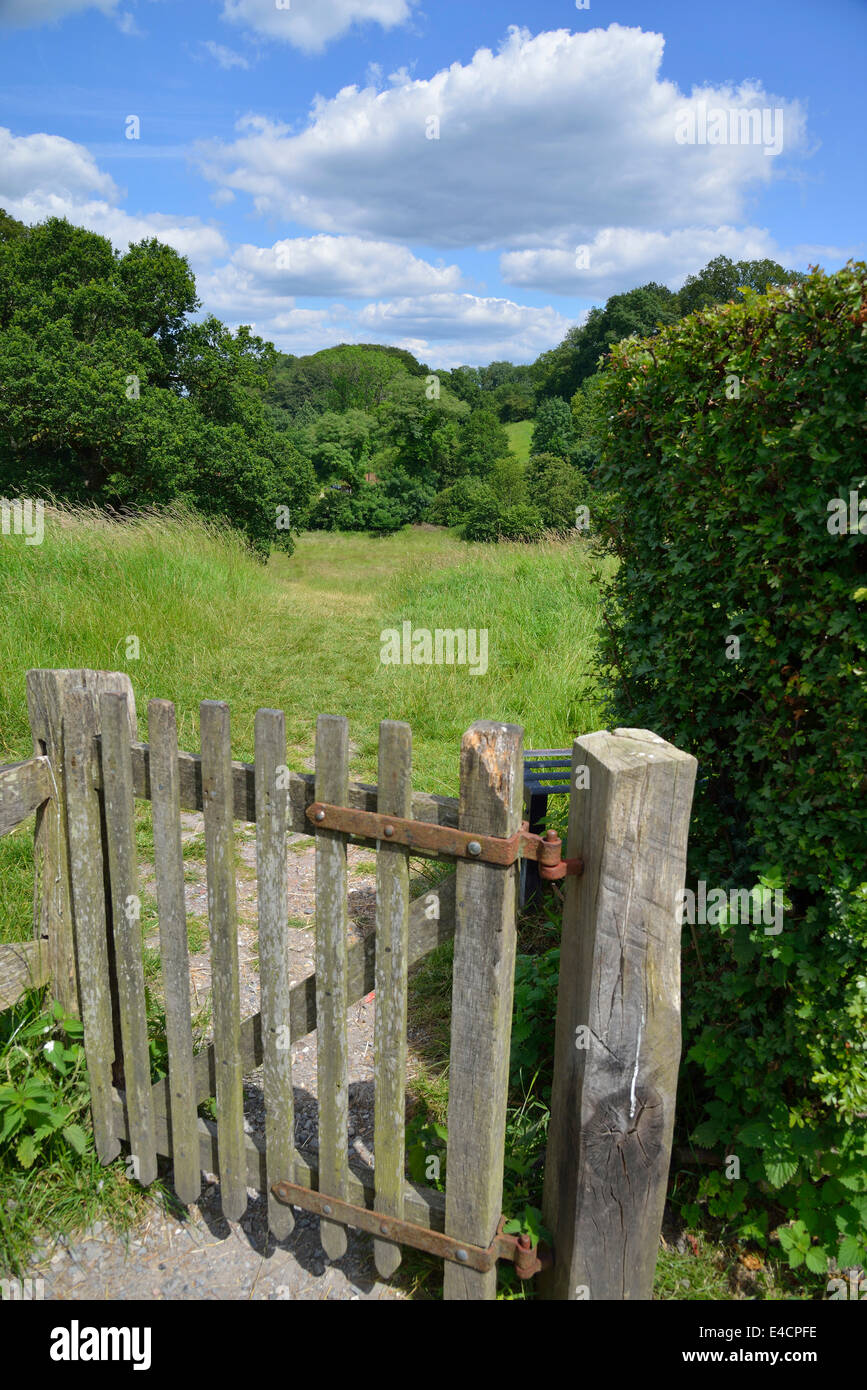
[(205, 1256)]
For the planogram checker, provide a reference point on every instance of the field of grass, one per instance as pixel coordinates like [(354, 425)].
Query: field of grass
[(520, 432), (303, 633)]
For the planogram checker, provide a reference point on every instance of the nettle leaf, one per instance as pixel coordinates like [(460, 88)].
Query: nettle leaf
[(76, 1138), (852, 1252), (755, 1135), (780, 1171), (816, 1259), (27, 1151)]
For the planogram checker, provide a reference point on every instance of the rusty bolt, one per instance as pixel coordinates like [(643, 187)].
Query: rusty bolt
[(320, 815), (388, 831), (473, 848)]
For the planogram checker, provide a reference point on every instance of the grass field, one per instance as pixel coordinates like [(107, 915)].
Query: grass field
[(520, 432)]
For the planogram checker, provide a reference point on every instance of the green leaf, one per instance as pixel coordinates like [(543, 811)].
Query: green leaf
[(817, 1259), (780, 1171), (76, 1138), (851, 1252), (27, 1151)]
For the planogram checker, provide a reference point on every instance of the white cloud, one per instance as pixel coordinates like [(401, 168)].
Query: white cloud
[(445, 329), (311, 24), (618, 257), (451, 326), (49, 176), (30, 14), (226, 57), (328, 265), (542, 144), (42, 165)]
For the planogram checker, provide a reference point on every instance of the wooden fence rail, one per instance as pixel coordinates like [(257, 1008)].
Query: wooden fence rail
[(617, 1041)]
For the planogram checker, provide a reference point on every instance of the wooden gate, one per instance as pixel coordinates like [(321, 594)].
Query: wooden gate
[(617, 1037)]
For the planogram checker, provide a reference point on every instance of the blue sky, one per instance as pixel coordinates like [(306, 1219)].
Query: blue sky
[(459, 178)]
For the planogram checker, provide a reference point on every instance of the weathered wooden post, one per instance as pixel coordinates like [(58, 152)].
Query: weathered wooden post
[(48, 701), (617, 1042), (482, 989)]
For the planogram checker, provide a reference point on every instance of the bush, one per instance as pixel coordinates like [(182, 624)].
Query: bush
[(557, 490), (366, 508), (736, 627), (451, 506)]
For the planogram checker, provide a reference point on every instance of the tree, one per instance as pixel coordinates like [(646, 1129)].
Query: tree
[(557, 489), (561, 371), (553, 430), (419, 432), (109, 394), (721, 280), (481, 441), (588, 422)]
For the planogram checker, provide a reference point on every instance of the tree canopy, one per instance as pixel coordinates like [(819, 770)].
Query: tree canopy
[(110, 393)]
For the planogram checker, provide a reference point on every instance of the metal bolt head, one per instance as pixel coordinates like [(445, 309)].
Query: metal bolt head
[(320, 815), (462, 1256), (384, 1229), (473, 848), (388, 831), (326, 1208)]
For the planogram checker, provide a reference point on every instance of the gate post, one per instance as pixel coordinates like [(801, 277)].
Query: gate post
[(483, 984), (47, 703), (617, 1041)]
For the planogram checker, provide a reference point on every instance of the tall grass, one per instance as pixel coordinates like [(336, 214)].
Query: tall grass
[(302, 633)]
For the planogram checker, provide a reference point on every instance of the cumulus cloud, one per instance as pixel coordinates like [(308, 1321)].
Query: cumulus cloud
[(41, 165), (546, 142), (449, 326), (30, 14), (49, 176), (311, 24), (446, 329), (328, 265), (619, 256)]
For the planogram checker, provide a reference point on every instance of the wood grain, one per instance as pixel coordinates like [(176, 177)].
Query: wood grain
[(174, 949), (617, 1042), (225, 982), (332, 785), (482, 988), (392, 949), (273, 898)]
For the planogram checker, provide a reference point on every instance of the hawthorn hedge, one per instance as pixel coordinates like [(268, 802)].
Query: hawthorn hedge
[(736, 626)]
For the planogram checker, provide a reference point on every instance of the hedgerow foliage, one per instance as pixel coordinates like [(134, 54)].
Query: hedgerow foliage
[(730, 435)]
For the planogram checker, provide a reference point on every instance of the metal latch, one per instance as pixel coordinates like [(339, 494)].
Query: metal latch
[(527, 1260), (423, 837)]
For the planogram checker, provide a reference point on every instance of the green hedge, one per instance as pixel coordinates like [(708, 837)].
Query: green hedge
[(729, 437)]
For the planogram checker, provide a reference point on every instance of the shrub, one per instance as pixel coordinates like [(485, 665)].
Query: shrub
[(451, 506), (736, 627), (557, 490)]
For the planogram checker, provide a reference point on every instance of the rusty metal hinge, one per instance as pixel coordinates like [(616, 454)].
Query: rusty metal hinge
[(527, 1260), (425, 838)]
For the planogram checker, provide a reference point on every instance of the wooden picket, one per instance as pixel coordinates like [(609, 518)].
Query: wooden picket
[(392, 942), (628, 825), (332, 785), (174, 952)]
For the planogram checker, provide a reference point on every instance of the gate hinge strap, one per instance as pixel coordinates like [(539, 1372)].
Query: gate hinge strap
[(518, 1249), (423, 837)]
